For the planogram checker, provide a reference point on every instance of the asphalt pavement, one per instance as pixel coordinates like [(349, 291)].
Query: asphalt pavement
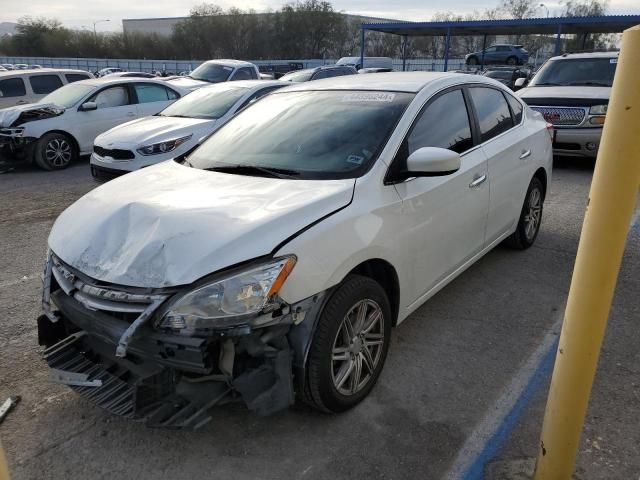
[(437, 407)]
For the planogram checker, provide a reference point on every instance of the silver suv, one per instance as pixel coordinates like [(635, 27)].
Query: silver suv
[(572, 93)]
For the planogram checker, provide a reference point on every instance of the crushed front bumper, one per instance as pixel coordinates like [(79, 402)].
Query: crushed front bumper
[(165, 379)]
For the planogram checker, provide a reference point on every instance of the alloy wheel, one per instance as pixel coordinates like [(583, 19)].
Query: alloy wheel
[(357, 347), (58, 152), (534, 213)]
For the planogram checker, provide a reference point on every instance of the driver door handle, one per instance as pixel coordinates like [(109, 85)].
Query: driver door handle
[(131, 114), (525, 154), (478, 181)]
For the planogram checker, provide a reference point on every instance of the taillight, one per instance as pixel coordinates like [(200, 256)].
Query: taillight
[(551, 131)]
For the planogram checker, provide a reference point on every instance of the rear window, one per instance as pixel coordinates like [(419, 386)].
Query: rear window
[(43, 84), (516, 108), (12, 87), (75, 77)]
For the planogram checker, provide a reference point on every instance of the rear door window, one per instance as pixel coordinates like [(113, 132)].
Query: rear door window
[(43, 84), (494, 116), (244, 73), (516, 108), (75, 77), (12, 87)]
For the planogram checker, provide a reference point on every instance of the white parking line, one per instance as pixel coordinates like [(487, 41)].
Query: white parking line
[(26, 278)]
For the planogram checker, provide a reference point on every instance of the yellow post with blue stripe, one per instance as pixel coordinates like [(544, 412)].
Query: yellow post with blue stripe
[(612, 200)]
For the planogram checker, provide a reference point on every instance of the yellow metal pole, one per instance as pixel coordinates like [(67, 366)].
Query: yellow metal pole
[(611, 203), (4, 469)]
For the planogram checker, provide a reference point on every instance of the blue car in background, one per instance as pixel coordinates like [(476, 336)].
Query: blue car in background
[(499, 54)]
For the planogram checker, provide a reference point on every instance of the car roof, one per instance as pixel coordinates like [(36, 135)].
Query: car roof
[(40, 71), (248, 84), (108, 80), (231, 62), (587, 55), (411, 82)]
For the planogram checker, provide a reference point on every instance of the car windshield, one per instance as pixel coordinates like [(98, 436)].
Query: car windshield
[(301, 76), (212, 73), (208, 102), (307, 135), (597, 72), (68, 95)]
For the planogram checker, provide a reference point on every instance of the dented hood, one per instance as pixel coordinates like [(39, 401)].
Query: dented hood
[(30, 112), (170, 225)]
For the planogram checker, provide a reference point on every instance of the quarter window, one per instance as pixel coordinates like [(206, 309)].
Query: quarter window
[(444, 123), (43, 84), (12, 87), (149, 92), (493, 112)]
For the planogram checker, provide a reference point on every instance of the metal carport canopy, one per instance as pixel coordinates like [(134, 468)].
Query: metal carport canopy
[(513, 26)]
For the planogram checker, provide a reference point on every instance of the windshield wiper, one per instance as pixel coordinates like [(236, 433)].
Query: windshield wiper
[(254, 169)]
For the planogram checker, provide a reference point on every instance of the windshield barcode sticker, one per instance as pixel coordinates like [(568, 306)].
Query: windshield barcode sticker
[(369, 97)]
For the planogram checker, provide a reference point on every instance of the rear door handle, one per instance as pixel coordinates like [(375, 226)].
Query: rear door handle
[(525, 154), (478, 181), (22, 102), (131, 114)]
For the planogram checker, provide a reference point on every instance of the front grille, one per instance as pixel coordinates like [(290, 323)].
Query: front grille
[(99, 297), (562, 116), (116, 154)]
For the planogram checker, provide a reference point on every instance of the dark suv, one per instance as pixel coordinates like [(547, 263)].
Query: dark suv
[(319, 72), (499, 55)]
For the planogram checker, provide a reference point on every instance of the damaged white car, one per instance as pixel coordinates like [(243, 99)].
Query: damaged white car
[(64, 124), (274, 260)]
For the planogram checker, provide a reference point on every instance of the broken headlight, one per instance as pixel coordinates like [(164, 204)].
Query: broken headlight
[(228, 301)]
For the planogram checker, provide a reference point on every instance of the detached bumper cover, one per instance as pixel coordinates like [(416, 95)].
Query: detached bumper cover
[(170, 380)]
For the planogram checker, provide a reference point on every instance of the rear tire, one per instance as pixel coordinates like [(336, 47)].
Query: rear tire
[(349, 347), (54, 151), (530, 217), (512, 61), (472, 61)]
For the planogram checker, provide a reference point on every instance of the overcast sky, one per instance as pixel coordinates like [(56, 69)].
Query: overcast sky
[(82, 13)]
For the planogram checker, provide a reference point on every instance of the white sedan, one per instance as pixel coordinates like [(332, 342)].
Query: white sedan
[(64, 124), (278, 256), (176, 130)]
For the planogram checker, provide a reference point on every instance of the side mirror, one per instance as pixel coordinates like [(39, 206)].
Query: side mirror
[(87, 106), (520, 82), (432, 162)]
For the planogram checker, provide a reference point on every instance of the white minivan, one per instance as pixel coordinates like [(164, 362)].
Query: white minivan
[(20, 87), (272, 262)]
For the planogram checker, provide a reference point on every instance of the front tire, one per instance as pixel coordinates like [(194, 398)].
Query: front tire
[(512, 61), (349, 347), (530, 217), (54, 151)]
